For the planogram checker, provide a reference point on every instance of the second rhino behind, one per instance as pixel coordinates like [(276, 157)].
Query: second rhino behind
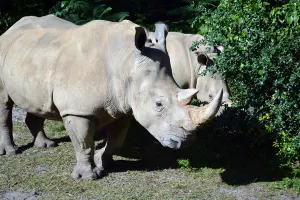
[(90, 77), (187, 65)]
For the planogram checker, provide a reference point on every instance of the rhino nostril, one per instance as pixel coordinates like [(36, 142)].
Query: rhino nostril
[(173, 142), (176, 142)]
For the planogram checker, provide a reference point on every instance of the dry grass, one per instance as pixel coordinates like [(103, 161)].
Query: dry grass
[(144, 170)]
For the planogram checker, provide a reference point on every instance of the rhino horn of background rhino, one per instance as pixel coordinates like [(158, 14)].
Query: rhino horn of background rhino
[(200, 115), (161, 32)]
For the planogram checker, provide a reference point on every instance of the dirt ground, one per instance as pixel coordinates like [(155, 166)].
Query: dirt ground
[(143, 170)]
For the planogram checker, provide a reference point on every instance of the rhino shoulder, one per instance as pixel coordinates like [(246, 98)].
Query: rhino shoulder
[(48, 21), (128, 22), (24, 23), (185, 38), (51, 21), (120, 28)]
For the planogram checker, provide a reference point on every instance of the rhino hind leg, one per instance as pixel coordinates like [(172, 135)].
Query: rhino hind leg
[(36, 127), (7, 145), (81, 131), (116, 134)]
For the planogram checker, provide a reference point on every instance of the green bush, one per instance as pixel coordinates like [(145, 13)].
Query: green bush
[(83, 11), (13, 10), (261, 64)]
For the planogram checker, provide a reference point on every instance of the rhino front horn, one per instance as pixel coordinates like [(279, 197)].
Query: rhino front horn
[(184, 96), (200, 115)]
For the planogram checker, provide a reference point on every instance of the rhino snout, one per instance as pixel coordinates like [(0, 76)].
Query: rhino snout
[(175, 142)]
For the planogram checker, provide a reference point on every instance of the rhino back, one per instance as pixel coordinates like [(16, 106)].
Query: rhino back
[(60, 72), (48, 21), (28, 67), (181, 59)]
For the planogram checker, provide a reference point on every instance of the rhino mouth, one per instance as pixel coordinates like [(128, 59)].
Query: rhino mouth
[(176, 142)]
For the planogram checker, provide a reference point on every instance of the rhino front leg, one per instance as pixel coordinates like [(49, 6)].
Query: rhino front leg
[(116, 134), (81, 131), (7, 145), (36, 127)]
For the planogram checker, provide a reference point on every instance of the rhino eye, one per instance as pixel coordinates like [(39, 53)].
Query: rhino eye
[(159, 106)]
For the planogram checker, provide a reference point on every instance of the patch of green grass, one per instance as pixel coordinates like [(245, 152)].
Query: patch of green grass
[(184, 163), (54, 126), (290, 183), (47, 173)]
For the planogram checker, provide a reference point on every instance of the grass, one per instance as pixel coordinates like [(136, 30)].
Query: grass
[(143, 170), (292, 183)]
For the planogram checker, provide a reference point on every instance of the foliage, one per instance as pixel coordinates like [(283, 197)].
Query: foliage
[(261, 64), (12, 10), (83, 11), (176, 13), (187, 13), (184, 163), (5, 22)]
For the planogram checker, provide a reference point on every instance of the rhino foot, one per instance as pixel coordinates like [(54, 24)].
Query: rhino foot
[(103, 161), (35, 125), (84, 172), (8, 150), (44, 142)]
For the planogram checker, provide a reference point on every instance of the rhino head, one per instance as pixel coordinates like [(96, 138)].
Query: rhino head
[(210, 84), (157, 102)]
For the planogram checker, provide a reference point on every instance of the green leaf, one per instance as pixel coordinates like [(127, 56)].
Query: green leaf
[(296, 19), (289, 20)]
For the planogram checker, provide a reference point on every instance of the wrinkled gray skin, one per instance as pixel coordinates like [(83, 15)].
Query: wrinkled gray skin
[(187, 65), (94, 76)]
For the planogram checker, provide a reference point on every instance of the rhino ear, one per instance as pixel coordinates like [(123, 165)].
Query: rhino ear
[(185, 96), (202, 59), (161, 32), (219, 49), (141, 36)]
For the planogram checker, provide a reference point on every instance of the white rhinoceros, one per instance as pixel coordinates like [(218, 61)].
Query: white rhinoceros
[(94, 76)]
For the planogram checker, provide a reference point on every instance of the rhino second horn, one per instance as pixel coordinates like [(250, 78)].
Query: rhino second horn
[(200, 115), (184, 96)]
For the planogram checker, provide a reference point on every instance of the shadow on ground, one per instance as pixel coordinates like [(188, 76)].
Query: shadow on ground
[(230, 142), (23, 148)]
